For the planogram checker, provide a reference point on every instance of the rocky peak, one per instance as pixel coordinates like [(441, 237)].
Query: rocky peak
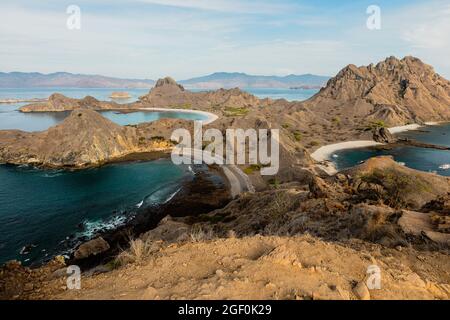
[(397, 91), (168, 81)]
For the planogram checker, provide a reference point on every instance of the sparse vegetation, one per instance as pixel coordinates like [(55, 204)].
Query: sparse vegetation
[(336, 120), (199, 234), (181, 106), (297, 135), (252, 168), (235, 111), (376, 124), (392, 186), (274, 183), (138, 251)]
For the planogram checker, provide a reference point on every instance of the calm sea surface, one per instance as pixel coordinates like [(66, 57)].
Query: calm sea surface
[(429, 160)]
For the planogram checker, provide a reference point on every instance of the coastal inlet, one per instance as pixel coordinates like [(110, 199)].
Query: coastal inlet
[(48, 212)]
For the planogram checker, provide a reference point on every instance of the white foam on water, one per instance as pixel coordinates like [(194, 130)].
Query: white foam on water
[(140, 204), (172, 195), (445, 166)]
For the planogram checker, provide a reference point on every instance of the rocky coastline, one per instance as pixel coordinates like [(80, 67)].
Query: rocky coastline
[(206, 191), (379, 212)]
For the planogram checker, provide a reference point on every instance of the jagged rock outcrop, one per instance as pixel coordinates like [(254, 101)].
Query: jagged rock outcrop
[(83, 139), (168, 93), (383, 135), (58, 102), (395, 91)]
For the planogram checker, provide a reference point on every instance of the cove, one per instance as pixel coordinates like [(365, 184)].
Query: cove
[(428, 160), (51, 210)]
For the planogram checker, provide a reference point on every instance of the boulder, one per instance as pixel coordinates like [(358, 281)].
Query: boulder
[(91, 248), (383, 135)]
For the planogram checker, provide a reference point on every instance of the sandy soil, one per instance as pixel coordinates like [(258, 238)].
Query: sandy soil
[(266, 268)]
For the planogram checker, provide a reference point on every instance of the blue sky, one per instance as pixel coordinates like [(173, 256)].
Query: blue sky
[(187, 38)]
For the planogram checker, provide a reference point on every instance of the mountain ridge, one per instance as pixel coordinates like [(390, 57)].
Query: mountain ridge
[(215, 80)]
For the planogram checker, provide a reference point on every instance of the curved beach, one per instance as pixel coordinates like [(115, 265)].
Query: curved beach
[(210, 117), (323, 154)]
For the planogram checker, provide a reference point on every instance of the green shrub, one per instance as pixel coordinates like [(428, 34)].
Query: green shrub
[(376, 124), (235, 111), (297, 135), (252, 168)]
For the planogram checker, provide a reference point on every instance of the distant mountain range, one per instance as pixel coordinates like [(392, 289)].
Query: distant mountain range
[(65, 79), (242, 80), (213, 81)]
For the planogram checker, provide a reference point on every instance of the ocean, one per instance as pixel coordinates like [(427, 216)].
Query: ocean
[(429, 160)]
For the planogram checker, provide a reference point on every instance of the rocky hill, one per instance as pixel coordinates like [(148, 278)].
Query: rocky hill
[(84, 139), (58, 102), (168, 93), (395, 91)]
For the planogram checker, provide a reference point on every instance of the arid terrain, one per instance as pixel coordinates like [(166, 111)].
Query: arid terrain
[(303, 234)]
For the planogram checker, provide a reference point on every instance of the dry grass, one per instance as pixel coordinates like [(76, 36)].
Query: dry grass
[(198, 234), (138, 251)]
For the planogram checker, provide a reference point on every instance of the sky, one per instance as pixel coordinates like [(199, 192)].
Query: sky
[(188, 38)]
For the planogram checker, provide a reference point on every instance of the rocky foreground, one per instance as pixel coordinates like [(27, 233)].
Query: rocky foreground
[(310, 239)]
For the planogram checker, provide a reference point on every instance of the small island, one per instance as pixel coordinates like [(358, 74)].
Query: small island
[(120, 95)]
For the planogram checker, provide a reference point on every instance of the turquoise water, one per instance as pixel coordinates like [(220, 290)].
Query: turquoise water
[(43, 93), (288, 94), (51, 208), (104, 94), (429, 160), (10, 118)]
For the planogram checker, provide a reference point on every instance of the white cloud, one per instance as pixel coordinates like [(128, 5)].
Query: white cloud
[(232, 6), (427, 26)]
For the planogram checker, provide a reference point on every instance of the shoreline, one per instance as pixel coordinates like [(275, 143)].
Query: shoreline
[(210, 117), (323, 154)]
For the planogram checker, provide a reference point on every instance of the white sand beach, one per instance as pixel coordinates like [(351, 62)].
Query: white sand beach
[(324, 153), (408, 127), (210, 117)]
